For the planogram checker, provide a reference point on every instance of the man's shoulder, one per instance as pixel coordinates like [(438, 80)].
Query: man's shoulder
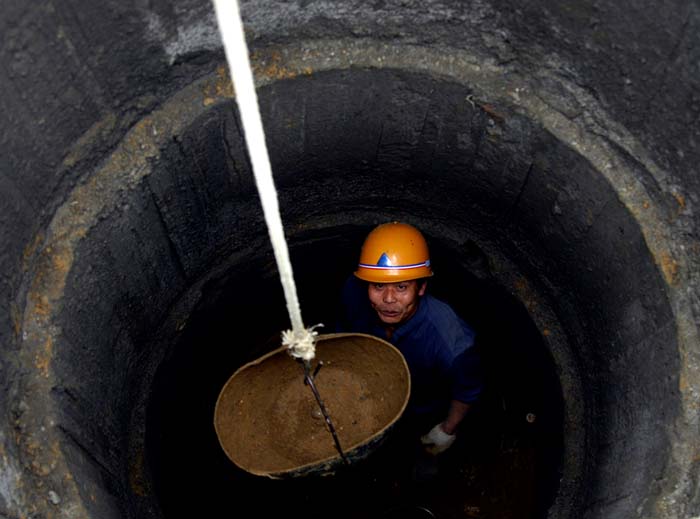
[(447, 323), (437, 308)]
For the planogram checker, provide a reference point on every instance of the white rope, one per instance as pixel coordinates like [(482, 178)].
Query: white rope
[(299, 340)]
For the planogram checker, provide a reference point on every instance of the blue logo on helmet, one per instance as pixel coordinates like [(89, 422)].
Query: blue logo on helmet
[(384, 261)]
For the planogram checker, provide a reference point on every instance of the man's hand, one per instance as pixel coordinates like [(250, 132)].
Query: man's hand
[(437, 440)]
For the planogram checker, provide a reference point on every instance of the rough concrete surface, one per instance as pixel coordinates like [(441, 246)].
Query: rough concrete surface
[(547, 149)]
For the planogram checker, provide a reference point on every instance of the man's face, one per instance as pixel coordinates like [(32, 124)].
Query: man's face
[(395, 303)]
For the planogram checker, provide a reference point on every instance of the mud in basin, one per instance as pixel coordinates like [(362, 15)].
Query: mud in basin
[(269, 423)]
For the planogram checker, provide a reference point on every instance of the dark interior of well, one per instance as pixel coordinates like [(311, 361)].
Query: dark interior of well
[(562, 137), (507, 465)]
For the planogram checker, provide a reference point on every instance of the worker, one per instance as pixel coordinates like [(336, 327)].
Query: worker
[(387, 297)]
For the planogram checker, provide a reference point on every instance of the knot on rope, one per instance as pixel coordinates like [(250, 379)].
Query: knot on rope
[(301, 343)]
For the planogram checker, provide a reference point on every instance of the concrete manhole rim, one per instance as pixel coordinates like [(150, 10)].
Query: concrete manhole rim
[(129, 163)]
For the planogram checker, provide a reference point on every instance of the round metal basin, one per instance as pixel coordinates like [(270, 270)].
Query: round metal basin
[(269, 423)]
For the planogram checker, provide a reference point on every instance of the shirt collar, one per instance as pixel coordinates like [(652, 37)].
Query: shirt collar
[(414, 321)]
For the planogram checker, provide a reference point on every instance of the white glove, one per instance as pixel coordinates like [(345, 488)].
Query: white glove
[(437, 440)]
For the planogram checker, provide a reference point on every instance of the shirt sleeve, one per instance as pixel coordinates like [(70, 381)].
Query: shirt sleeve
[(467, 376), (458, 354)]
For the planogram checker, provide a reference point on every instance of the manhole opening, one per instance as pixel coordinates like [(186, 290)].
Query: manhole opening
[(507, 465)]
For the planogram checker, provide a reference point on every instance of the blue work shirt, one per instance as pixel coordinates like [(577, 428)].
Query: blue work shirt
[(437, 344)]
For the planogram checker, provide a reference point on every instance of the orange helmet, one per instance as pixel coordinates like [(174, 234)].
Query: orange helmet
[(394, 252)]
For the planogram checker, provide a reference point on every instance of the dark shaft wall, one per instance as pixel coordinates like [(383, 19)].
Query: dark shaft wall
[(78, 79)]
